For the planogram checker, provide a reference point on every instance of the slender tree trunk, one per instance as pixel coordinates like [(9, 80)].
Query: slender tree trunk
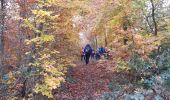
[(96, 42), (2, 22), (105, 35), (126, 23), (154, 19), (19, 54), (21, 31), (150, 26)]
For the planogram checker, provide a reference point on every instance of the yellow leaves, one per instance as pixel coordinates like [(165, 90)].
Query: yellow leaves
[(47, 38), (49, 84), (52, 76), (122, 65), (55, 71), (41, 13), (44, 56), (53, 82), (35, 64), (50, 61), (27, 23), (40, 40), (44, 89), (50, 71), (116, 21)]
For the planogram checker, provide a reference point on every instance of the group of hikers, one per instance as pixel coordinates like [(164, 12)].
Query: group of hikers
[(88, 53)]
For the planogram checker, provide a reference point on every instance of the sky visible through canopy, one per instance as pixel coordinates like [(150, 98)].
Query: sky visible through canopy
[(89, 21)]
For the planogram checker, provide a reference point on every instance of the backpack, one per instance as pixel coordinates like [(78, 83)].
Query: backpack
[(100, 50), (87, 50)]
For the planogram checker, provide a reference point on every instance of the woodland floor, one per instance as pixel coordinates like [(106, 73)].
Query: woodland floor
[(90, 81)]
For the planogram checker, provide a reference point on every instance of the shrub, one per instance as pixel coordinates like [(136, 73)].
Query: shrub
[(122, 65), (137, 64)]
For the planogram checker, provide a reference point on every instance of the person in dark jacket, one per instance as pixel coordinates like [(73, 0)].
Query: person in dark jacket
[(88, 52), (93, 54), (102, 50), (97, 55)]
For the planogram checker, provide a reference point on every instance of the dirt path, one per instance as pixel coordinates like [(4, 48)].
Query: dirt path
[(91, 81)]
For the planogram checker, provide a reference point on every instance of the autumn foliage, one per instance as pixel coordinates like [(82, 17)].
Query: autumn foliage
[(41, 41)]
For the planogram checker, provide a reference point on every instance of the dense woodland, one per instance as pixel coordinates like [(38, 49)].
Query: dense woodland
[(41, 40)]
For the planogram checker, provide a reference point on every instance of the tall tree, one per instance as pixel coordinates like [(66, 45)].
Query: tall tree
[(153, 18), (2, 25)]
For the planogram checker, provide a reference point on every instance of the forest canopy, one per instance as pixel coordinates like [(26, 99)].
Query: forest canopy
[(41, 43)]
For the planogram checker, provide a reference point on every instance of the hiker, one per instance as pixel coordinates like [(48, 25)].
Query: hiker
[(93, 54), (107, 53), (102, 50), (88, 52), (82, 54), (97, 55)]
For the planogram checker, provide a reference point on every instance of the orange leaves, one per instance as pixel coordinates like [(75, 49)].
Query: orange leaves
[(136, 43), (90, 79), (144, 45)]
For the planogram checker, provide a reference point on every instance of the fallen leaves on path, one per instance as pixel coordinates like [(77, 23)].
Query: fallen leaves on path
[(91, 81)]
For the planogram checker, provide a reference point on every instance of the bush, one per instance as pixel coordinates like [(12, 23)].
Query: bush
[(163, 60), (108, 96), (162, 55), (137, 64), (122, 66), (149, 83), (165, 77), (113, 86)]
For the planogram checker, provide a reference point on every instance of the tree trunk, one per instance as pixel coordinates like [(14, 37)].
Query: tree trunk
[(153, 18), (150, 26), (21, 31), (2, 22), (96, 42), (105, 35)]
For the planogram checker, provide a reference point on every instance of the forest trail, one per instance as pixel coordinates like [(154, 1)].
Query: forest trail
[(90, 81)]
